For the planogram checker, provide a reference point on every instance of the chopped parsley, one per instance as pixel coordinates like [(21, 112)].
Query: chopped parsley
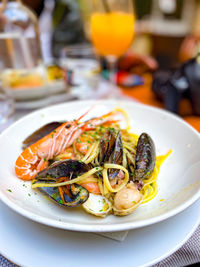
[(9, 190), (55, 195), (60, 201)]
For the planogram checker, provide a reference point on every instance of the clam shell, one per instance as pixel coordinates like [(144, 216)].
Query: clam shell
[(127, 211), (97, 205)]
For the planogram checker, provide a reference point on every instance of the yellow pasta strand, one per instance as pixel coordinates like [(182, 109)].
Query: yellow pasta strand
[(93, 155), (126, 116), (106, 180), (150, 188), (89, 152)]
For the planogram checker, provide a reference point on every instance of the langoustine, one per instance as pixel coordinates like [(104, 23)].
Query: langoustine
[(35, 157)]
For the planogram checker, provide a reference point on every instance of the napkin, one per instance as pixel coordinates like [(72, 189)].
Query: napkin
[(118, 236)]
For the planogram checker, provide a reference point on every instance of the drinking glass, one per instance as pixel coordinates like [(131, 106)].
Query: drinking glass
[(6, 108), (111, 29), (19, 36)]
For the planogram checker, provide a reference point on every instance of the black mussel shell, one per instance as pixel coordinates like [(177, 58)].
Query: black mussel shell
[(78, 195), (107, 144), (117, 156), (41, 132), (145, 157), (66, 168)]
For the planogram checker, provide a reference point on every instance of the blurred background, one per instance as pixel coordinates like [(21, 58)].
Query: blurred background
[(58, 50)]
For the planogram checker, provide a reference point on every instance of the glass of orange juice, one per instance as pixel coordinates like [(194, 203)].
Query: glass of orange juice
[(112, 29)]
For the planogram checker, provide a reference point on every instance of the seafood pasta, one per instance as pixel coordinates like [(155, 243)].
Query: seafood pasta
[(94, 164)]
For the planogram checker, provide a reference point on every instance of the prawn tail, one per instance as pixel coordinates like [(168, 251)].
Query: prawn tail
[(26, 164)]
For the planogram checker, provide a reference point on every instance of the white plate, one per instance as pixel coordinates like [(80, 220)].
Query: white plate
[(30, 244), (178, 181), (52, 88)]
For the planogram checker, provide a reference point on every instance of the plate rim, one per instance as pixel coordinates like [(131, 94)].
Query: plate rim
[(179, 245), (90, 227), (152, 262)]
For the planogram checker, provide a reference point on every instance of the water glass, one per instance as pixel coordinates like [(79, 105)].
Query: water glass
[(81, 61), (6, 108)]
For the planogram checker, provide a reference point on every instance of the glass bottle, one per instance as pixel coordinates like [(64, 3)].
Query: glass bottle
[(19, 36)]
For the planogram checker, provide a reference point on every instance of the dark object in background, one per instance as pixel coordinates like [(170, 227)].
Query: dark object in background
[(184, 82), (137, 63), (165, 53), (68, 26)]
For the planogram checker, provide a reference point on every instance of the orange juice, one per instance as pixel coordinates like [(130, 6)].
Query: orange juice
[(112, 33)]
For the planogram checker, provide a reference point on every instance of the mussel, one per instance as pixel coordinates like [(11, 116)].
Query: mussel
[(111, 150), (78, 195), (66, 168), (107, 144), (70, 195), (117, 156), (145, 157)]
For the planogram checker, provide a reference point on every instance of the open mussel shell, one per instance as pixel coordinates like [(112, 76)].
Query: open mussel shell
[(74, 194), (107, 144), (97, 205), (77, 197), (124, 212), (117, 156), (145, 157), (66, 168)]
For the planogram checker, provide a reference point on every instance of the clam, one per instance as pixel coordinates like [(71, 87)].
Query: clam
[(127, 200), (145, 157), (68, 195), (97, 205)]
